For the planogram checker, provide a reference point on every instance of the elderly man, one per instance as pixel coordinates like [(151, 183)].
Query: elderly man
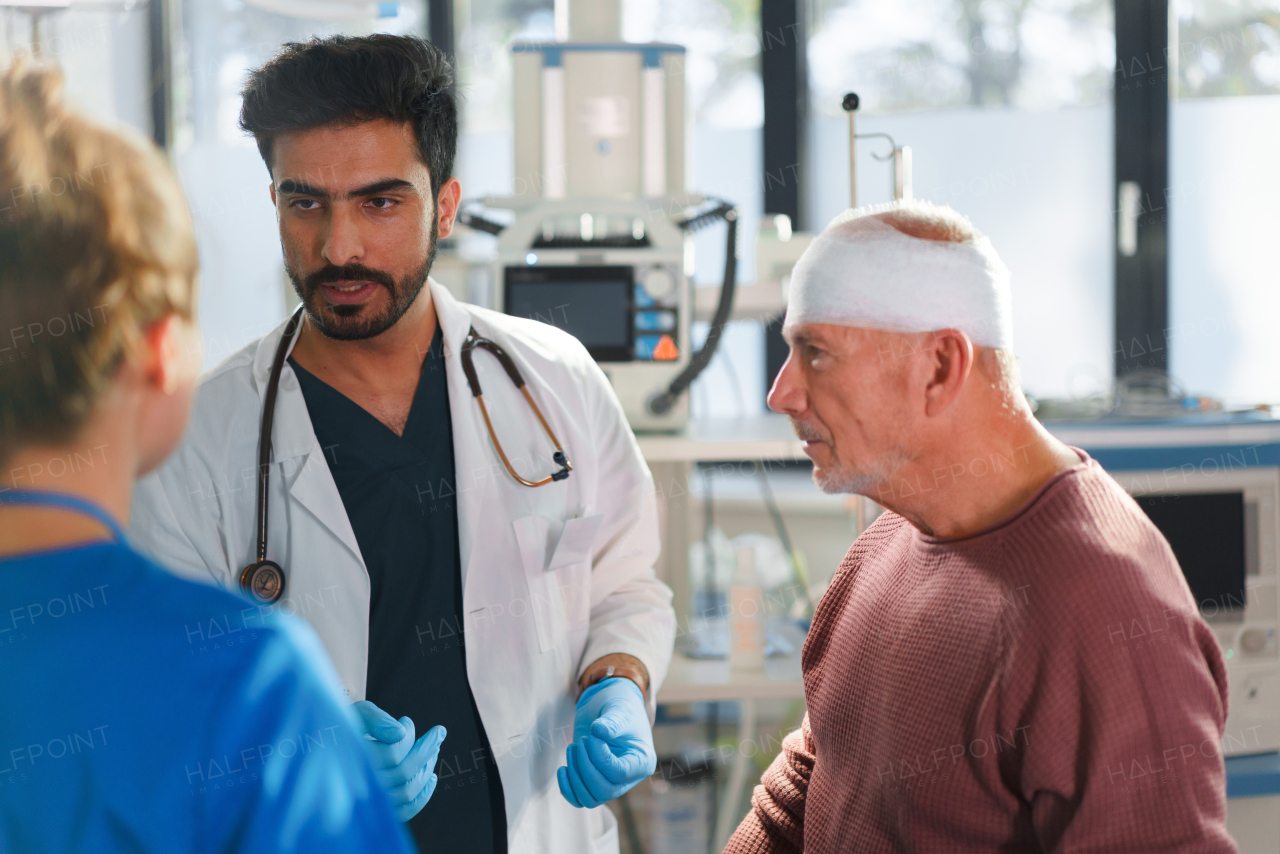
[(971, 679)]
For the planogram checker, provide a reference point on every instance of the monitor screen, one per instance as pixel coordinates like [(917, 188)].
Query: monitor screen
[(1206, 532), (593, 304)]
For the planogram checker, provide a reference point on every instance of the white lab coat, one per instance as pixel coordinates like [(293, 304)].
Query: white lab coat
[(537, 610)]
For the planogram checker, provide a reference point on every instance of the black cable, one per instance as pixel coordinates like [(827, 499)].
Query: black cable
[(479, 223), (661, 403), (708, 554), (771, 505), (697, 221), (776, 515)]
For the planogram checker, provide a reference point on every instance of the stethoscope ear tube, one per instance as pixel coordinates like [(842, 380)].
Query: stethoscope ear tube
[(474, 340), (264, 579)]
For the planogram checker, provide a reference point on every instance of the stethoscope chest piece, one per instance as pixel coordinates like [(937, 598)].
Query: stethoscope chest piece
[(263, 581)]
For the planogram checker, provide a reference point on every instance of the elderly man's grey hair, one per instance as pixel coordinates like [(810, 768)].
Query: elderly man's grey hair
[(927, 221)]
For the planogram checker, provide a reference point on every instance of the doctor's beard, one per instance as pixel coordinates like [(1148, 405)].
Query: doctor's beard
[(355, 322)]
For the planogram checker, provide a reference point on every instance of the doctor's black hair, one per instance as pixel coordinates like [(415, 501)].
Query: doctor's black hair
[(345, 80)]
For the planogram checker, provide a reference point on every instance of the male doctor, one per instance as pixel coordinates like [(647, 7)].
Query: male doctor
[(521, 619)]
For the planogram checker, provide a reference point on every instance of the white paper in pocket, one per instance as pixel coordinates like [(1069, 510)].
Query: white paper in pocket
[(556, 558), (536, 536), (576, 540)]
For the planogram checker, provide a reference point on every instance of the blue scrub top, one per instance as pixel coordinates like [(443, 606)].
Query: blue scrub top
[(143, 712)]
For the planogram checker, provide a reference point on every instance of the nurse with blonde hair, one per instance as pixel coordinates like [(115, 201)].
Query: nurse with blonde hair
[(142, 712)]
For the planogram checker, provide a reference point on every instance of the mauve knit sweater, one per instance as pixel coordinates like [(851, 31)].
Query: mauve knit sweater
[(1045, 685)]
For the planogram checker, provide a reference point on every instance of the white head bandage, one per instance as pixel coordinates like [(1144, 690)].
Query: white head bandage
[(861, 271)]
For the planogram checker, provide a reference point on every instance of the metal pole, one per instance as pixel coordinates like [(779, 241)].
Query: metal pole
[(906, 172), (902, 173), (728, 812), (850, 106)]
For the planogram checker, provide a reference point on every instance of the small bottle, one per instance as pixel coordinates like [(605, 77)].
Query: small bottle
[(746, 616)]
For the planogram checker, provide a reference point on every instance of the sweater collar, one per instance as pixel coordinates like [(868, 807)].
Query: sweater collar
[(1086, 463)]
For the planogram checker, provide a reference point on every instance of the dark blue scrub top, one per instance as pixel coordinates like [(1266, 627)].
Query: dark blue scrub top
[(399, 493)]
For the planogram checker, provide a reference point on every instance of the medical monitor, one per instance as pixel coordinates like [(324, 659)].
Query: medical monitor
[(593, 304), (612, 273), (1206, 531)]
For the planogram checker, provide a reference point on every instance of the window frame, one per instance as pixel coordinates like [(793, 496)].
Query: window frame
[(1140, 98)]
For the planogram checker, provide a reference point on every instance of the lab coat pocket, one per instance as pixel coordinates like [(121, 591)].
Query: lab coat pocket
[(571, 563), (604, 832), (557, 568)]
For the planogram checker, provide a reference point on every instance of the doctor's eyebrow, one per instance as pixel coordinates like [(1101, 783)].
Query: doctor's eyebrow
[(294, 187)]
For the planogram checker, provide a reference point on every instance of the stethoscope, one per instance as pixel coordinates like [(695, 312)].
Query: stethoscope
[(263, 580)]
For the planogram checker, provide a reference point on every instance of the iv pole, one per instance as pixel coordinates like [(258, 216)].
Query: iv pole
[(901, 156)]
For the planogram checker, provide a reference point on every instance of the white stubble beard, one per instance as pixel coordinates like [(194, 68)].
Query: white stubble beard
[(835, 479)]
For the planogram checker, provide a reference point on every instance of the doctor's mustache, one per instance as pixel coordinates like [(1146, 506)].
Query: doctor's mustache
[(348, 272)]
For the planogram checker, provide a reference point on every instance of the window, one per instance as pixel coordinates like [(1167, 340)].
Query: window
[(1006, 106), (1224, 176)]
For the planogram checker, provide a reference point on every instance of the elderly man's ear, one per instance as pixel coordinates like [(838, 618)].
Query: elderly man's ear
[(950, 355)]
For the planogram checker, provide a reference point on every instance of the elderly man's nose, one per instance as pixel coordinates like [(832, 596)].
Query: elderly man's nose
[(786, 396)]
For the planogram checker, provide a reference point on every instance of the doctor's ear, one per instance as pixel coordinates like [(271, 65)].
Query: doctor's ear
[(447, 206), (271, 188)]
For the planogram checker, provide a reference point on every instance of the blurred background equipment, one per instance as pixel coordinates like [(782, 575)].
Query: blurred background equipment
[(599, 242)]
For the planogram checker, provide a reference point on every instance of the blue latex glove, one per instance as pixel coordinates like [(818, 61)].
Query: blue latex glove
[(612, 747), (403, 765)]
